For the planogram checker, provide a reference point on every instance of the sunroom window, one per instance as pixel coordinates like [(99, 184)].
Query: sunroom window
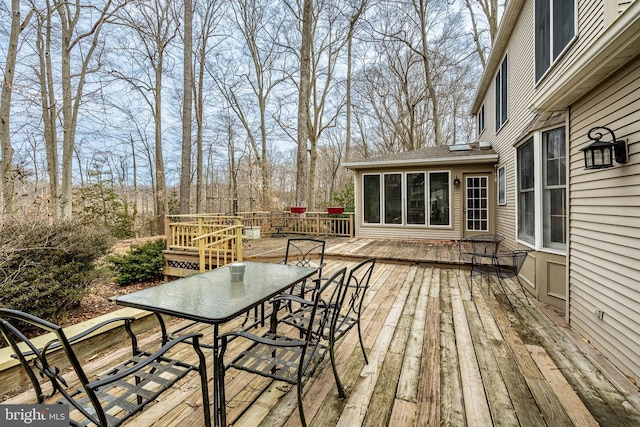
[(407, 198)]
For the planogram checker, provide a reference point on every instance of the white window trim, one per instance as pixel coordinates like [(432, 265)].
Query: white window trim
[(538, 188), (464, 201), (371, 224), (502, 81), (428, 213), (553, 61), (403, 199), (502, 168), (405, 189), (484, 119)]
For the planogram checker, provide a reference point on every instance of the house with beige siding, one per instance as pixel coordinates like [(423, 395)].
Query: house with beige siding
[(557, 70), (431, 193)]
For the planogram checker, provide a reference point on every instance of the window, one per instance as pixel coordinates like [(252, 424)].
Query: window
[(371, 199), (526, 193), (542, 212), (416, 198), (501, 95), (393, 198), (502, 186), (480, 123), (439, 198), (554, 28), (409, 198), (554, 189)]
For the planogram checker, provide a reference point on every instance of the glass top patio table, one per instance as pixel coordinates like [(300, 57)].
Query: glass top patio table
[(212, 297)]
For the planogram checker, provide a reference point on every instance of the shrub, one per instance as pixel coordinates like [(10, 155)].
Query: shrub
[(142, 263), (46, 269)]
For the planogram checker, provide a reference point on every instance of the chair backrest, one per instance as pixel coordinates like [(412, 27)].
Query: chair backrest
[(510, 263), (480, 245), (305, 252), (327, 303), (12, 325), (356, 287)]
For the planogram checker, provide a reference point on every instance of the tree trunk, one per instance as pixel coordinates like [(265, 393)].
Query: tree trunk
[(185, 171), (303, 102), (161, 186), (6, 165)]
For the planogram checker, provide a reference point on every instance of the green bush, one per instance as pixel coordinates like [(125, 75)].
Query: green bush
[(141, 264), (46, 269)]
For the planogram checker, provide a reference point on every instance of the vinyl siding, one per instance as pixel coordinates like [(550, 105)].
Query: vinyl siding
[(605, 223), (520, 90), (452, 232)]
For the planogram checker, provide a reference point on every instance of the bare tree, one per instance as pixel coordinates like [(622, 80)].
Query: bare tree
[(489, 11), (155, 25), (208, 17), (6, 166), (187, 108), (79, 40), (260, 25), (358, 8)]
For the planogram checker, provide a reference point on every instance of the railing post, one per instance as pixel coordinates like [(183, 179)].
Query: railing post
[(201, 244), (239, 239), (318, 223), (351, 221)]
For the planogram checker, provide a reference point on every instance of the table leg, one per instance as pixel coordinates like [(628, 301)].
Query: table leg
[(219, 410)]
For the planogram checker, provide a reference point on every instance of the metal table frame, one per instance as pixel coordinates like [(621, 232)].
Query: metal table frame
[(212, 298)]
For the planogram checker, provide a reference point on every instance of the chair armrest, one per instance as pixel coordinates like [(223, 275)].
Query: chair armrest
[(260, 339), (56, 344), (98, 326), (150, 359)]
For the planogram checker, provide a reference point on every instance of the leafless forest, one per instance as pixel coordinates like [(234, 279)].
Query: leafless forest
[(153, 107)]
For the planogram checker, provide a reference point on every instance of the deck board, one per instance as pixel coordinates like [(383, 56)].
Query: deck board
[(437, 357)]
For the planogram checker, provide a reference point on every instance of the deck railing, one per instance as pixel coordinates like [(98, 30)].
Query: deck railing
[(309, 223), (216, 237)]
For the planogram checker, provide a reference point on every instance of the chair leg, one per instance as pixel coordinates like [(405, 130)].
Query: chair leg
[(300, 407), (505, 293), (523, 291), (364, 352), (332, 356)]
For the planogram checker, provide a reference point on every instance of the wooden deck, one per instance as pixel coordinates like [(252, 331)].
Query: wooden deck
[(436, 357)]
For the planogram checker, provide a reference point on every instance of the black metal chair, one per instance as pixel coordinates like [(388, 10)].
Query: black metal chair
[(505, 265), (116, 395), (356, 286), (305, 252), (287, 356), (478, 249)]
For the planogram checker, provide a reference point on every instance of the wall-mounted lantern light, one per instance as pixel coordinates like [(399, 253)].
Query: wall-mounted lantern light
[(600, 154), (456, 181)]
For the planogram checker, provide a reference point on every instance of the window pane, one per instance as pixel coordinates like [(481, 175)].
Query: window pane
[(371, 196), (498, 92), (415, 198), (504, 98), (554, 200), (555, 218), (526, 195), (477, 205), (543, 37), (563, 25), (439, 198), (502, 186), (393, 198)]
